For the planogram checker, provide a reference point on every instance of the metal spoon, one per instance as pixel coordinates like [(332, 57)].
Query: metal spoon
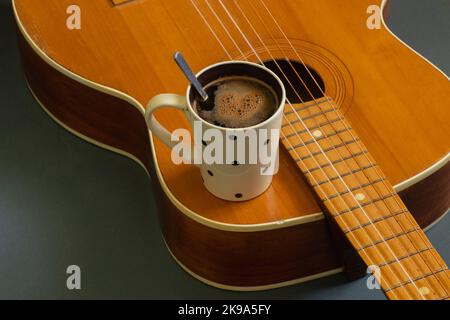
[(190, 75)]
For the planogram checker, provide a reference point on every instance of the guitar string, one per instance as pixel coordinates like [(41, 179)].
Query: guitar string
[(326, 157), (375, 188), (325, 175), (212, 31), (355, 239), (291, 45), (223, 27), (406, 233), (358, 143), (390, 226)]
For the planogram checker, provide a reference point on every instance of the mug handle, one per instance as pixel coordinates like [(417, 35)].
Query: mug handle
[(158, 102)]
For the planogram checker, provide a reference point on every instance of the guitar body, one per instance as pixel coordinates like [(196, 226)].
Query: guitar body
[(95, 82)]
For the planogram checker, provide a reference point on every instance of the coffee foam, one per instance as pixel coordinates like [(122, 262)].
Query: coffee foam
[(240, 103)]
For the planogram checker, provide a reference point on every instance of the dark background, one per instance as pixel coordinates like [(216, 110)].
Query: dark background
[(64, 201)]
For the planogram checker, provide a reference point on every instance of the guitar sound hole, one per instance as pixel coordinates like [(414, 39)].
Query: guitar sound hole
[(300, 85)]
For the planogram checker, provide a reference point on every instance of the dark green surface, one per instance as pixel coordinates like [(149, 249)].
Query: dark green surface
[(64, 201)]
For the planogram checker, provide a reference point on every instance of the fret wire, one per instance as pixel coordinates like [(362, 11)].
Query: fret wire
[(374, 244), (381, 218), (315, 184), (343, 144), (312, 128), (354, 188), (339, 194), (312, 116), (306, 106), (303, 119), (406, 256), (361, 169), (318, 139), (364, 204), (315, 83), (411, 281)]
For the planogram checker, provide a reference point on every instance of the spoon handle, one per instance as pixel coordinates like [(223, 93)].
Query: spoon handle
[(179, 59)]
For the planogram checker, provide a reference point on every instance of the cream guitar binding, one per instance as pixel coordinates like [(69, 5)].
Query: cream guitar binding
[(96, 80)]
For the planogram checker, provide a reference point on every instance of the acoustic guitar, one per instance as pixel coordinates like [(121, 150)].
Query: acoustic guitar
[(364, 163)]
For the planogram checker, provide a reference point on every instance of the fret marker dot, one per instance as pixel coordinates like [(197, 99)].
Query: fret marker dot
[(360, 196), (317, 133), (424, 290)]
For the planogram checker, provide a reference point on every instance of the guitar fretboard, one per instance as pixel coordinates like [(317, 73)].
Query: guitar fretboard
[(363, 203)]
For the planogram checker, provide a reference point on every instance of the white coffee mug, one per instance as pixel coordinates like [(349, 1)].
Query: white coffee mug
[(229, 179)]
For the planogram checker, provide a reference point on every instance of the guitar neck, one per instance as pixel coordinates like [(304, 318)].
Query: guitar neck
[(363, 203)]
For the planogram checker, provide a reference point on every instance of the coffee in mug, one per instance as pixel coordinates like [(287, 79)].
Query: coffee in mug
[(237, 102)]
